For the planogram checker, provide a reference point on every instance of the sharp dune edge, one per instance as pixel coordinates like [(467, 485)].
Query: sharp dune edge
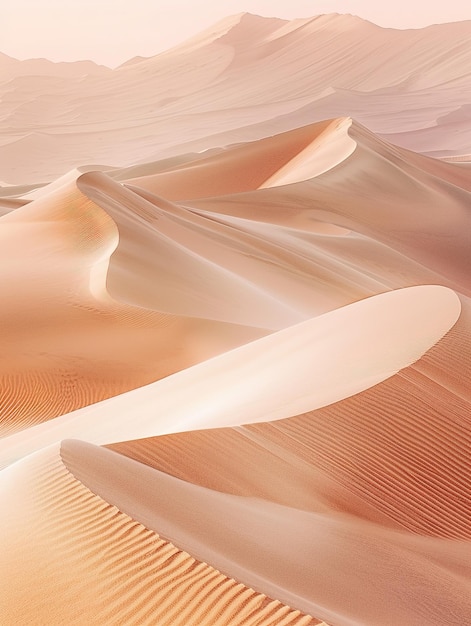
[(339, 354), (236, 331)]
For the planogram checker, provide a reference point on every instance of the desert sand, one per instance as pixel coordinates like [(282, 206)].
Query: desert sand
[(235, 384)]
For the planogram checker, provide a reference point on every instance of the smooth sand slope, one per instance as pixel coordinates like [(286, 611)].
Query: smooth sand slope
[(65, 342), (306, 366)]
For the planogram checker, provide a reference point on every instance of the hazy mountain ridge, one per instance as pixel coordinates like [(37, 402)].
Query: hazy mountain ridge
[(245, 70)]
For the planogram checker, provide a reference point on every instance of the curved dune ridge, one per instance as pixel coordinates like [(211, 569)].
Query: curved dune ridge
[(92, 564), (56, 251), (340, 354), (289, 157), (235, 353), (286, 551), (394, 454), (418, 205)]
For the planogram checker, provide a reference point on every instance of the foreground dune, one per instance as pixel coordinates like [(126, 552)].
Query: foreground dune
[(286, 551), (92, 564), (236, 331)]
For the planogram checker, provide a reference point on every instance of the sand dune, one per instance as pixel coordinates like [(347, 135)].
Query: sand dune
[(286, 551), (157, 265), (92, 564), (296, 155), (55, 254), (245, 79), (340, 354), (342, 196), (236, 331), (370, 455)]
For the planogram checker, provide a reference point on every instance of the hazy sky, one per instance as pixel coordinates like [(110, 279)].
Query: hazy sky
[(112, 31)]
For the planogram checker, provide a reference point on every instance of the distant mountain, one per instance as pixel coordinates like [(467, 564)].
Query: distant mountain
[(244, 78), (11, 68)]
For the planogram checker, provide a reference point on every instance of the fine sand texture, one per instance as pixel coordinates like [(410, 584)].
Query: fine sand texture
[(235, 323)]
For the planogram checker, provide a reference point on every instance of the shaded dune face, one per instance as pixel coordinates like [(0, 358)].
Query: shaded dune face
[(394, 454), (371, 339), (66, 342), (235, 355)]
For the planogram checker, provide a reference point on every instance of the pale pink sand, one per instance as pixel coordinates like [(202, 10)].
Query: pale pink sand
[(246, 78)]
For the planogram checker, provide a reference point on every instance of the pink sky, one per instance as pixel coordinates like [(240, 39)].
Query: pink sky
[(112, 31)]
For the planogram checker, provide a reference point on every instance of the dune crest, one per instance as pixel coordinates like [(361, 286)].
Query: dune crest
[(90, 563), (329, 149), (341, 353), (286, 551)]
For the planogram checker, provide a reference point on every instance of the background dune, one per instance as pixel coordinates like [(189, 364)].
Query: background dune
[(236, 330), (246, 78)]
